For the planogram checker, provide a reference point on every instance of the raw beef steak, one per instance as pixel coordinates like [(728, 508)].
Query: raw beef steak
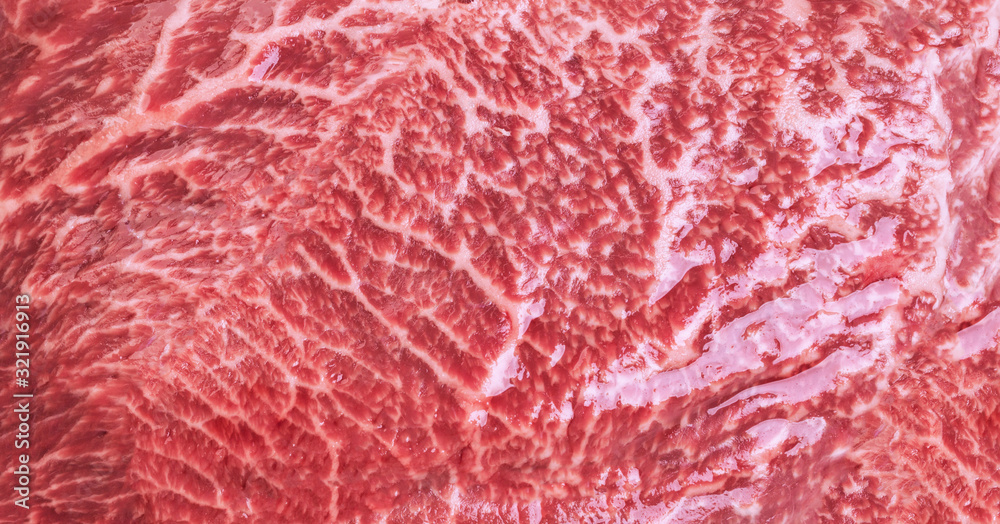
[(487, 261)]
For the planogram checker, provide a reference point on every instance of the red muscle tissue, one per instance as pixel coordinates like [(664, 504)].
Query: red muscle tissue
[(487, 261)]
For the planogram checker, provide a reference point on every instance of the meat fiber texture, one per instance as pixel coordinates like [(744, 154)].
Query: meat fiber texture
[(488, 261)]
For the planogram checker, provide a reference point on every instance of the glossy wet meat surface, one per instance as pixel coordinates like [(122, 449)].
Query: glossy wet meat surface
[(334, 261)]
